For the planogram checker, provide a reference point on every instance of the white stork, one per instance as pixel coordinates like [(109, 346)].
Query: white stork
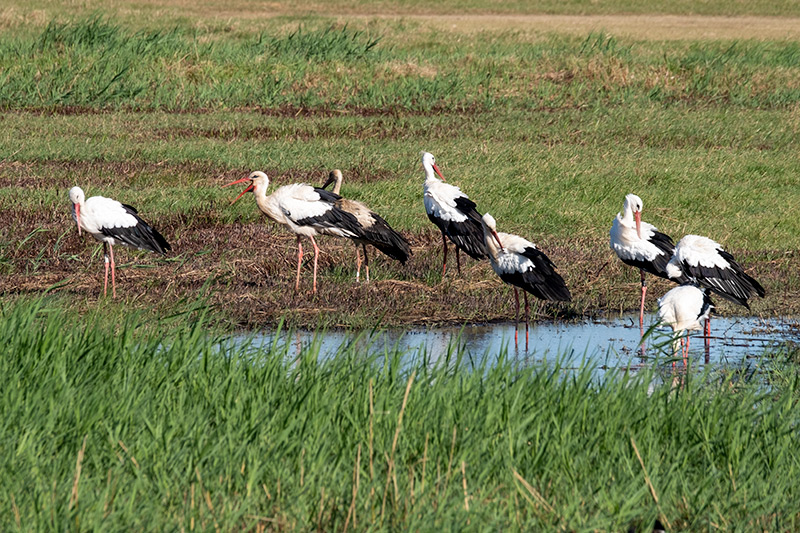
[(304, 209), (641, 245), (520, 264), (704, 262), (373, 229), (112, 222), (685, 308), (453, 212)]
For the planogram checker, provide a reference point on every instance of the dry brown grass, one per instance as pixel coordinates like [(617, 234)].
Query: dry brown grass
[(249, 276), (250, 15)]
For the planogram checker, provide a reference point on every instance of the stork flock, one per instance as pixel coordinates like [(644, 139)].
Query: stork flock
[(698, 264)]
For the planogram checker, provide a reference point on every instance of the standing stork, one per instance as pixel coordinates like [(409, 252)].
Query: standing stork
[(685, 308), (704, 262), (454, 214), (112, 222), (304, 209), (373, 229), (520, 264), (641, 245)]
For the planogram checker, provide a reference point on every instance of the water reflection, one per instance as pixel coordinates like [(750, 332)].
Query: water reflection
[(610, 343)]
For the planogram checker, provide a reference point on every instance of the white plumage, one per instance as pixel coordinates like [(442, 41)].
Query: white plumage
[(304, 209), (685, 308), (637, 242), (706, 263), (372, 228), (521, 264), (453, 213), (640, 245), (112, 222)]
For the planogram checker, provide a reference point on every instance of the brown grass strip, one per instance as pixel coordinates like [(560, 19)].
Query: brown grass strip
[(450, 461), (533, 492), (650, 485), (207, 496), (464, 483), (73, 500), (125, 448), (390, 473), (356, 478), (17, 519), (424, 464)]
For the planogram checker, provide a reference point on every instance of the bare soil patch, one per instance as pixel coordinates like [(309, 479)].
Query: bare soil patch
[(247, 272)]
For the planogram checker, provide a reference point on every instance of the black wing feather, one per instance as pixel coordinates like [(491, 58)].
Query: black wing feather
[(466, 235), (542, 280), (381, 235), (731, 283), (141, 235), (658, 266)]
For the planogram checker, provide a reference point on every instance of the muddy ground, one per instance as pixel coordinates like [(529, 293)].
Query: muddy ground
[(247, 272)]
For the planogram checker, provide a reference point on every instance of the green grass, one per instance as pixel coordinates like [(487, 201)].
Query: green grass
[(96, 63), (162, 426), (708, 171)]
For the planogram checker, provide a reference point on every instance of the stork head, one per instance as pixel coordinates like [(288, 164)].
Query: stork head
[(490, 226), (634, 204), (257, 179), (77, 198), (335, 177), (429, 164)]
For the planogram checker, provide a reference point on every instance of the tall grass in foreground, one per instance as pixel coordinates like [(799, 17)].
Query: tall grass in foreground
[(129, 428)]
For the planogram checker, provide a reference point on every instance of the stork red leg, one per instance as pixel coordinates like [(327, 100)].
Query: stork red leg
[(113, 272), (358, 264), (444, 262), (641, 307), (641, 310), (686, 352), (527, 314), (458, 260), (299, 262), (316, 256), (105, 277), (516, 316), (366, 260)]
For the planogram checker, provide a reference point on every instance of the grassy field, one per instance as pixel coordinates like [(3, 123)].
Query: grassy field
[(179, 430), (132, 414), (546, 130)]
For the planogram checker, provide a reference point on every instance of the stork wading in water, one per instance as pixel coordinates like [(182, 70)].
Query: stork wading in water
[(704, 262), (373, 229), (685, 308), (641, 245), (305, 210), (520, 264), (453, 213), (112, 222)]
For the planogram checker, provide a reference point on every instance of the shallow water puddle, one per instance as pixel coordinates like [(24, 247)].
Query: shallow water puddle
[(608, 343)]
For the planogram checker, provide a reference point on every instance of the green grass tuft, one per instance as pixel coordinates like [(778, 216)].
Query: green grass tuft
[(171, 427)]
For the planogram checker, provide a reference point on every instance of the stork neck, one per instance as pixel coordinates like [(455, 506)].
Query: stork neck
[(627, 216), (260, 192), (429, 175), (491, 244)]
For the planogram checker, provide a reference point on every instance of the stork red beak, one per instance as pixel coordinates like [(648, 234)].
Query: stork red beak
[(638, 216), (497, 238), (436, 169), (248, 189), (78, 217)]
